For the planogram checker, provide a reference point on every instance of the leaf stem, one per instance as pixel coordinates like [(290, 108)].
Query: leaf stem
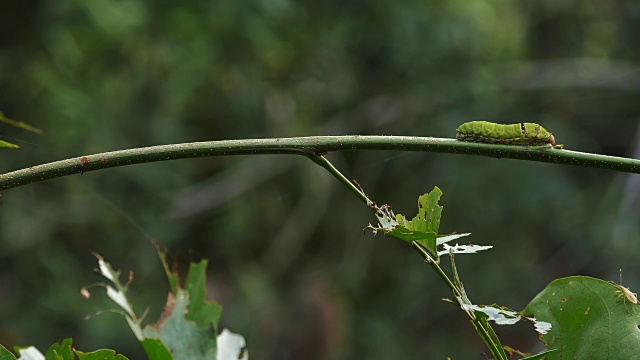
[(482, 327), (436, 267), (322, 161)]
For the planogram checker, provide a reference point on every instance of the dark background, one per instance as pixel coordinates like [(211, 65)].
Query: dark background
[(287, 255)]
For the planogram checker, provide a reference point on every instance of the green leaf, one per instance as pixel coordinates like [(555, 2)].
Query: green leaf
[(103, 354), (423, 228), (428, 240), (6, 354), (429, 213), (188, 326), (62, 351), (4, 144), (591, 320), (155, 349), (182, 337), (202, 312)]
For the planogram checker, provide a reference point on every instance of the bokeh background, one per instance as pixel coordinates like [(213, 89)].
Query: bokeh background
[(288, 258)]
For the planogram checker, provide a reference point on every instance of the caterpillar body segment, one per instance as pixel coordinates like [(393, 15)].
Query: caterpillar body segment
[(530, 134)]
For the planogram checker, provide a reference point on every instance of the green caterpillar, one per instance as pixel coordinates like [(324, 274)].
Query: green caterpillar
[(508, 134)]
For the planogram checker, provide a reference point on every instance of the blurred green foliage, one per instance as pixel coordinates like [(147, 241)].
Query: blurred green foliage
[(288, 258)]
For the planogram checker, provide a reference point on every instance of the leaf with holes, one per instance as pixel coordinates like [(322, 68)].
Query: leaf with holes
[(589, 318), (423, 228)]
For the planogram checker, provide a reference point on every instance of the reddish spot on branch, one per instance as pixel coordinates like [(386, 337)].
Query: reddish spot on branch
[(83, 161)]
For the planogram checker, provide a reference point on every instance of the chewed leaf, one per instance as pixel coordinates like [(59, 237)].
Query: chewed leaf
[(30, 353), (429, 213), (62, 351), (445, 239), (503, 316), (427, 240), (187, 315), (117, 293), (174, 329), (462, 249), (494, 313), (423, 228), (542, 327), (591, 319), (119, 298), (231, 346), (105, 269), (204, 313), (386, 218), (186, 329)]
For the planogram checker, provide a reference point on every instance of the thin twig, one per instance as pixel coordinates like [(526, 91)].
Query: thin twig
[(320, 160), (308, 146)]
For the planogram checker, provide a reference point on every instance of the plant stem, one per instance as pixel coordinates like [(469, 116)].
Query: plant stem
[(308, 146), (482, 327), (436, 267), (322, 161)]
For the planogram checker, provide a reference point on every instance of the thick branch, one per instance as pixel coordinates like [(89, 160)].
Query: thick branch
[(310, 147)]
